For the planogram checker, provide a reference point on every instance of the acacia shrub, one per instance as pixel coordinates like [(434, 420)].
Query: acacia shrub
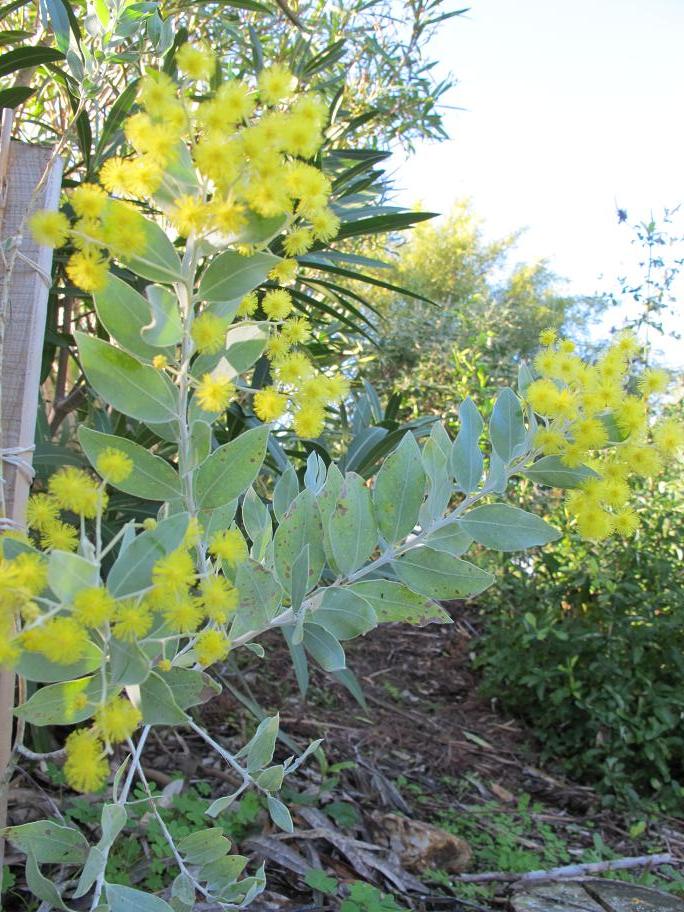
[(586, 643)]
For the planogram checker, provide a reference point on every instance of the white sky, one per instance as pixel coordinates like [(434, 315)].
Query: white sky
[(570, 108)]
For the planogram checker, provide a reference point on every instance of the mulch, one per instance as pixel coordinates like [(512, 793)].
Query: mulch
[(425, 743)]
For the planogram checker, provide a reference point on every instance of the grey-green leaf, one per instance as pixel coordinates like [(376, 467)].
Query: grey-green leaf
[(300, 526), (157, 703), (230, 276), (132, 570), (231, 469), (506, 427), (552, 471), (152, 477), (124, 313), (131, 387), (164, 328), (50, 842), (344, 614), (439, 575), (261, 747), (69, 573), (156, 259), (393, 601), (451, 538), (126, 899), (323, 647), (503, 527), (399, 489), (466, 460), (352, 527), (260, 597)]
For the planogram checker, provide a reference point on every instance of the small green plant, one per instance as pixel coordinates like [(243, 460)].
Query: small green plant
[(365, 897)]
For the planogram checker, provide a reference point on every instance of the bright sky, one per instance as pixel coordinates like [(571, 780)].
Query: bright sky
[(570, 109)]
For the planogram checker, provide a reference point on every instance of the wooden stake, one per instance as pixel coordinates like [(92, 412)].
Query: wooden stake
[(32, 180)]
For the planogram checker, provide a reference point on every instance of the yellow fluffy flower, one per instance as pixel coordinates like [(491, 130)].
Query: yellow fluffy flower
[(276, 83), (114, 465), (284, 272), (161, 362), (295, 367), (324, 224), (189, 215), (219, 598), (277, 304), (49, 228), (88, 269), (548, 336), (594, 523), (60, 640), (230, 546), (248, 305), (59, 535), (30, 571), (157, 90), (132, 620), (297, 330), (298, 242), (93, 606), (41, 510), (236, 101), (182, 613), (668, 436), (269, 404), (211, 646), (195, 61), (652, 381), (209, 333), (117, 720), (74, 490), (277, 347), (175, 572), (333, 389), (309, 420), (88, 200), (228, 216), (625, 523), (214, 393), (86, 768)]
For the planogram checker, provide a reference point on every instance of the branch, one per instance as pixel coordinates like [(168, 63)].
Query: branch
[(594, 867), (292, 16)]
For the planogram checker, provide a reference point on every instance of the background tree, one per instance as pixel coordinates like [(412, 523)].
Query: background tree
[(486, 314)]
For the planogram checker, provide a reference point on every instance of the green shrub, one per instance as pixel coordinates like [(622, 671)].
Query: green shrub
[(585, 642)]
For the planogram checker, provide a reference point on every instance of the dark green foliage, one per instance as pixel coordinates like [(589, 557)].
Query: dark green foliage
[(586, 642)]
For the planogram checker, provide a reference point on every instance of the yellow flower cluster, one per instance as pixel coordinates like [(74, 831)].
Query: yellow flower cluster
[(74, 491), (595, 415), (250, 146)]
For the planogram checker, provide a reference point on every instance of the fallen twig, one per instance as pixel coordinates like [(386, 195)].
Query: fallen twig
[(574, 870)]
